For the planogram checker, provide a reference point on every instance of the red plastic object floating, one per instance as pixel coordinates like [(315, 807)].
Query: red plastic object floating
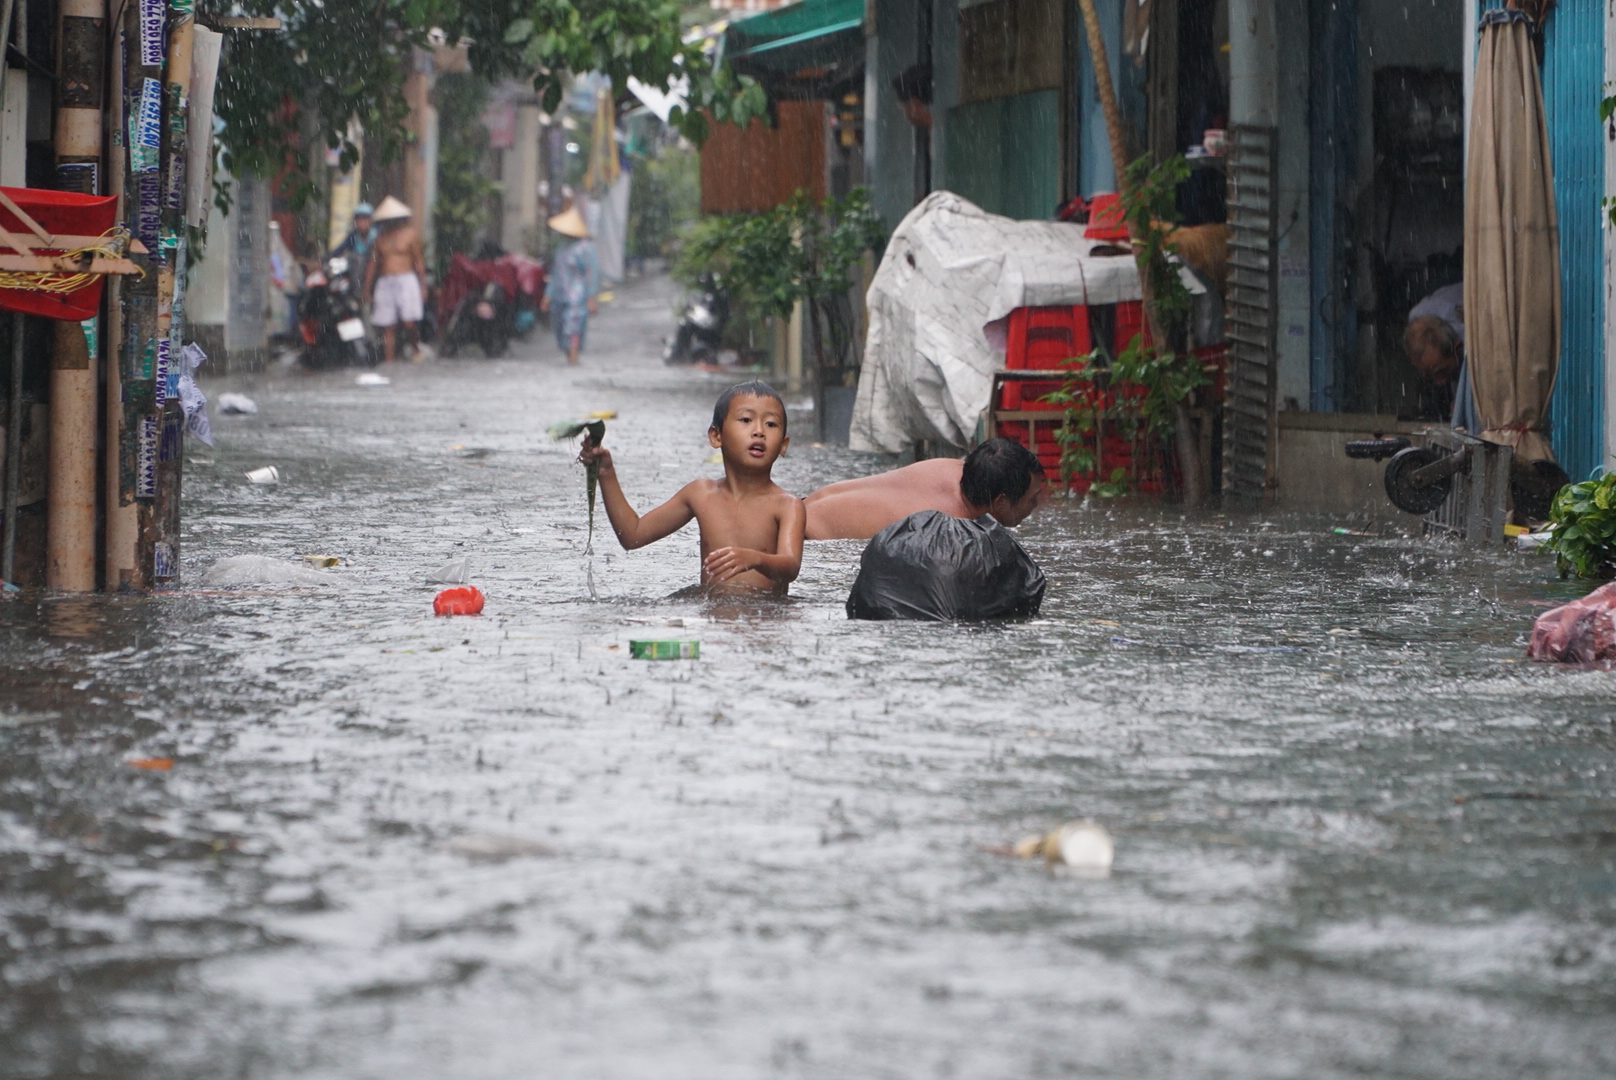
[(466, 600)]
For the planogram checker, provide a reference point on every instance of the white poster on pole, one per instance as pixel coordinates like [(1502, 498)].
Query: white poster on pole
[(199, 148)]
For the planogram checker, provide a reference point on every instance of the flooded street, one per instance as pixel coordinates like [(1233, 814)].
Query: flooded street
[(1357, 834)]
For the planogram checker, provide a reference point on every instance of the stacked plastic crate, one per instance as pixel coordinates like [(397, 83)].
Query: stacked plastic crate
[(1049, 339)]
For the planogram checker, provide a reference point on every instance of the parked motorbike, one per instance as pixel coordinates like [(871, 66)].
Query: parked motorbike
[(489, 300), (330, 319), (701, 326), (482, 318)]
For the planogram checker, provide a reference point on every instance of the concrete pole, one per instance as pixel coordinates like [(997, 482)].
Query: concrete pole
[(122, 516), (70, 510), (1253, 63), (165, 551)]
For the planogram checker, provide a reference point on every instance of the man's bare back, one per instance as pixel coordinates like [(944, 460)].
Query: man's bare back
[(858, 509)]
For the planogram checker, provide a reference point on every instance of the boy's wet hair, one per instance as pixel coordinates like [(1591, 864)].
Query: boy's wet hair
[(998, 467), (755, 388)]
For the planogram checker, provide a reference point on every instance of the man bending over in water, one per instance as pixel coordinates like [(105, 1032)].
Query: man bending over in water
[(1001, 477), (751, 529)]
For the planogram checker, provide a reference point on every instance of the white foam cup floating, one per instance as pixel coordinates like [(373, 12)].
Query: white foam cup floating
[(269, 474), (1085, 846)]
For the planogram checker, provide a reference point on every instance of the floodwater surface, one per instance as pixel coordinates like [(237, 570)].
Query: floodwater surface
[(1357, 834)]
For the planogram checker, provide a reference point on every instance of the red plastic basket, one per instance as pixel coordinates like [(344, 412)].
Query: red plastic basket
[(68, 214)]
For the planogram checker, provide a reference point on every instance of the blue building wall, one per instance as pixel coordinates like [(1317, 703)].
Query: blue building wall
[(1573, 71)]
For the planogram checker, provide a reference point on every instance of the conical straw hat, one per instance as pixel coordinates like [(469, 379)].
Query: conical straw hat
[(570, 223), (391, 209)]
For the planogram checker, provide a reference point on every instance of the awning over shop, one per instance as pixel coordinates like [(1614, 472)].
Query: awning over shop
[(805, 40)]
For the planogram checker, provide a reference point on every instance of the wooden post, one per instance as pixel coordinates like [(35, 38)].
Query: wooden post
[(71, 509)]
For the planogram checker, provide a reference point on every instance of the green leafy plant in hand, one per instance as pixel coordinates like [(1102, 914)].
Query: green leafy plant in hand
[(1582, 524), (596, 432)]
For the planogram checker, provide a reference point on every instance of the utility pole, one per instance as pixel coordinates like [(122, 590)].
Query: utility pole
[(145, 50), (121, 535), (171, 297), (13, 474), (70, 508)]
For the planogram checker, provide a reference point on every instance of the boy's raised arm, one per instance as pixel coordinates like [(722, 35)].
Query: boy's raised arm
[(634, 531)]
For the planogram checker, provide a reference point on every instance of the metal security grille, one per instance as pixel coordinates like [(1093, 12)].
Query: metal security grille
[(1250, 311), (1478, 507)]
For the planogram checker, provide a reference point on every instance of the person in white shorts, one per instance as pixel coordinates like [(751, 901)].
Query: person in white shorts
[(393, 278)]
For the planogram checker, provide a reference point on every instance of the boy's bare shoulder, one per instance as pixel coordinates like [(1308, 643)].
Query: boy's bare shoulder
[(785, 501)]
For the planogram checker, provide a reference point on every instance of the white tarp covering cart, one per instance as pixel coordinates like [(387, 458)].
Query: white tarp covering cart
[(939, 309)]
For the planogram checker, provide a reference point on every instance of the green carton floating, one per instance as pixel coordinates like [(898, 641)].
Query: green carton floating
[(665, 650)]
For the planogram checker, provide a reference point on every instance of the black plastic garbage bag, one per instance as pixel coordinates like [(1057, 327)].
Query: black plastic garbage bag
[(930, 566)]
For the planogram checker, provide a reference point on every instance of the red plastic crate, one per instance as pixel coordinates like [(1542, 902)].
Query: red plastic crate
[(1130, 322), (1043, 339)]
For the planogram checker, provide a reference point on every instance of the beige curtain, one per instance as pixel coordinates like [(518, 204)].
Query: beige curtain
[(1512, 245)]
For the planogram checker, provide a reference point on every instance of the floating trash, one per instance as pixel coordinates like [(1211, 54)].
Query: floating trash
[(665, 650), (240, 570), (466, 600), (269, 474), (1084, 846), (152, 764), (237, 405), (494, 847), (321, 562), (370, 378), (457, 572)]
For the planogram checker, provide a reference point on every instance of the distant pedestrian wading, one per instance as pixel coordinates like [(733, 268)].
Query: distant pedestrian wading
[(569, 296)]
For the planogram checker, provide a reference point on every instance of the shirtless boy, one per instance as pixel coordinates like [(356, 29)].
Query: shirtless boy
[(393, 278), (751, 529), (1000, 477)]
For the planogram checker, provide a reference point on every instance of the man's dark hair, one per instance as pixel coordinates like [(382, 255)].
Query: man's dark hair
[(914, 84), (998, 467), (755, 388)]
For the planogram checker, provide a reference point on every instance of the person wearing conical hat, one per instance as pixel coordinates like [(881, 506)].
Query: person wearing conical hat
[(393, 278), (574, 282)]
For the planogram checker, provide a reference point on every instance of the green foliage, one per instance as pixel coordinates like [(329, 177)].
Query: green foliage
[(797, 251), (665, 198), (464, 187), (287, 95), (1607, 110), (1145, 387), (1583, 524), (1139, 393), (550, 41)]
